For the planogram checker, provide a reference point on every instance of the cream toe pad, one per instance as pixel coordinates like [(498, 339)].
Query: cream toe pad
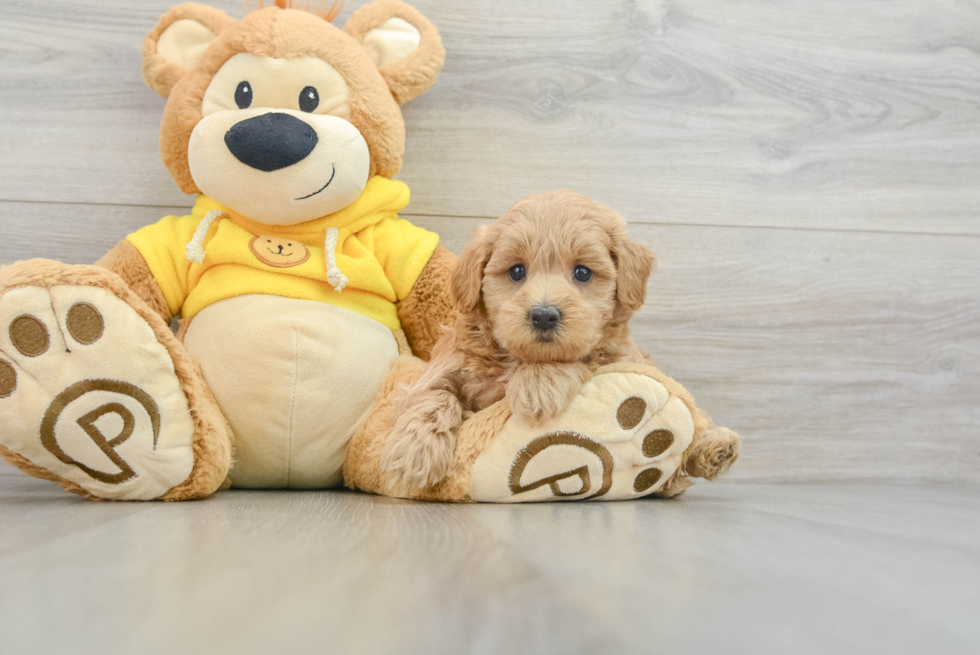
[(89, 393), (622, 437)]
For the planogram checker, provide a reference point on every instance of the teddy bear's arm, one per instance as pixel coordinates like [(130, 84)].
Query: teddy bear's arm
[(125, 261), (430, 304)]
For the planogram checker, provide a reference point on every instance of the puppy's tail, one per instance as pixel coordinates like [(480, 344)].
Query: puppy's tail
[(710, 456), (713, 454)]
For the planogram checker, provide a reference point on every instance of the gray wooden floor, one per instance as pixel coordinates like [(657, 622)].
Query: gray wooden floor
[(741, 568), (809, 176)]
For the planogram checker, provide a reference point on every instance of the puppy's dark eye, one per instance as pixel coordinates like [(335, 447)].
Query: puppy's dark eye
[(309, 99), (518, 273), (582, 274), (243, 95)]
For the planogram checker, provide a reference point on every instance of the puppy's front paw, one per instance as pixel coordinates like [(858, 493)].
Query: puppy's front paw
[(542, 392), (420, 449)]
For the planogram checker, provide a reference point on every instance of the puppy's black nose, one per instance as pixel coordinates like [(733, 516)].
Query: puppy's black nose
[(545, 318), (271, 141)]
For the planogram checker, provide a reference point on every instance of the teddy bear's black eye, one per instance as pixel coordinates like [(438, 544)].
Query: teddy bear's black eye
[(309, 99), (518, 273), (583, 274), (243, 95)]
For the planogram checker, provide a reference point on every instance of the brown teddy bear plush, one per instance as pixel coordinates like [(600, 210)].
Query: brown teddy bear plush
[(305, 302)]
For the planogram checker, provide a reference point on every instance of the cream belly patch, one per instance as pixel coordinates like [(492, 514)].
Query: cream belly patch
[(88, 393), (623, 436), (294, 379)]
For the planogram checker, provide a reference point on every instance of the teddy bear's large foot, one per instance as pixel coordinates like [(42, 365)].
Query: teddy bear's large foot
[(97, 394), (623, 437)]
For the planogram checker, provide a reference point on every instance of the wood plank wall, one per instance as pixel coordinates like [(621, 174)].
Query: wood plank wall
[(807, 172)]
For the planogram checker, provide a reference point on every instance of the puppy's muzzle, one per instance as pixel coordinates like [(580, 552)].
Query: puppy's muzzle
[(271, 141), (545, 318)]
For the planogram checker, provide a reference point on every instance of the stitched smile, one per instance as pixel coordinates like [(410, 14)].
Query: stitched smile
[(325, 185), (281, 254)]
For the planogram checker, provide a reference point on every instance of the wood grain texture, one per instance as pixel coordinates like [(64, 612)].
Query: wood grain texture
[(806, 173), (837, 355), (856, 116), (760, 569)]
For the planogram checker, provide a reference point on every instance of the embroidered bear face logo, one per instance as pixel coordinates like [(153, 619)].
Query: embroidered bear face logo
[(279, 253), (281, 116)]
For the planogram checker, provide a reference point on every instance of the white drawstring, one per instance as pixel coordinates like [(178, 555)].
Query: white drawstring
[(194, 251), (334, 274)]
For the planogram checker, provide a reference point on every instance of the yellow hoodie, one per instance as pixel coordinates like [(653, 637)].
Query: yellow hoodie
[(377, 260)]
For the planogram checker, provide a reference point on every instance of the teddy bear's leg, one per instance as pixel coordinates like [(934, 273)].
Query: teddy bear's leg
[(629, 433), (362, 466), (97, 394)]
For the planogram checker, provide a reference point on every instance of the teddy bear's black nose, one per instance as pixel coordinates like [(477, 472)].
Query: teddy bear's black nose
[(271, 141), (545, 318)]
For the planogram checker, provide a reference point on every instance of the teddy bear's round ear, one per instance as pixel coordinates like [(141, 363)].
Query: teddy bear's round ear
[(403, 44), (178, 41)]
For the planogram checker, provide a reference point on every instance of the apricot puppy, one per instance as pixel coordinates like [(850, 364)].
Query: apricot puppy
[(544, 297)]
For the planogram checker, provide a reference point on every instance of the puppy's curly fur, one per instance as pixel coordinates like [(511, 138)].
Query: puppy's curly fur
[(495, 350)]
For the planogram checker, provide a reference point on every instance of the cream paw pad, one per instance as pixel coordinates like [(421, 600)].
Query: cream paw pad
[(89, 394), (622, 437)]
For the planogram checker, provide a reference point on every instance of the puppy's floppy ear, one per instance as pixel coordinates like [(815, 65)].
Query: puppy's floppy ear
[(403, 44), (634, 265), (177, 43), (468, 274)]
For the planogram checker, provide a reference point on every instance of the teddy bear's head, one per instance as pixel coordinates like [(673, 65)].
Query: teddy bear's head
[(281, 116)]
